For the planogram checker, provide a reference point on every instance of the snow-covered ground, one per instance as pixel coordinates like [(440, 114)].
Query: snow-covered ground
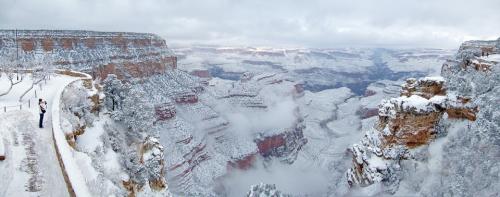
[(31, 167), (492, 58)]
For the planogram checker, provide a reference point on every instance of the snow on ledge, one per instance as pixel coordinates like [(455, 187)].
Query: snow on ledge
[(66, 153), (414, 103), (434, 78)]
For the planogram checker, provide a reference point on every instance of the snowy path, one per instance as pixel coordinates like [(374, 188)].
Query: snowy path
[(31, 167)]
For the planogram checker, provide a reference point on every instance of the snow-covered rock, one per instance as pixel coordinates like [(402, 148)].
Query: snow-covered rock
[(426, 87), (265, 190), (404, 123), (452, 110), (148, 170)]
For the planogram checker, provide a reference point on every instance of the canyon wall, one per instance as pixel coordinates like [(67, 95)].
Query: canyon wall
[(97, 53)]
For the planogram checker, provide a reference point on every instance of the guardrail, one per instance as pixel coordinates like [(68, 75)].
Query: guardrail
[(19, 106), (75, 181)]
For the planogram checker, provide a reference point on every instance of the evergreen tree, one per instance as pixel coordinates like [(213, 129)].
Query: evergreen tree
[(138, 112), (115, 92)]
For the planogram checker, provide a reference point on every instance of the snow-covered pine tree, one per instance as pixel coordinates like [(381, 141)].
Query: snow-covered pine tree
[(115, 92), (138, 112)]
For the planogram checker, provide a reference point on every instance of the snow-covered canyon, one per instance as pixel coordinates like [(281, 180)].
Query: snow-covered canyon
[(228, 121)]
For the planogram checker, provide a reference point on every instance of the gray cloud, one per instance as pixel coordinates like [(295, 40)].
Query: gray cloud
[(311, 23)]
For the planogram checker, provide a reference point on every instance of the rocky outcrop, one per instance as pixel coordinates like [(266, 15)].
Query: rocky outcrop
[(149, 167), (464, 101), (152, 157), (424, 87), (97, 53), (404, 123), (244, 163), (284, 145)]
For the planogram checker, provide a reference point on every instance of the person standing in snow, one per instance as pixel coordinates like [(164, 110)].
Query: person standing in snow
[(43, 109)]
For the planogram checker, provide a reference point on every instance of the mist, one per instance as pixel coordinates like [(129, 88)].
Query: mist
[(276, 117), (298, 179)]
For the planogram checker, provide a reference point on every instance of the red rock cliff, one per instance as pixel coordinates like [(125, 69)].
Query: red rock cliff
[(98, 53)]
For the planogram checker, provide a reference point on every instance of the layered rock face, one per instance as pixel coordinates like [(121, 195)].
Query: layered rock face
[(99, 53), (194, 122), (283, 145), (399, 150)]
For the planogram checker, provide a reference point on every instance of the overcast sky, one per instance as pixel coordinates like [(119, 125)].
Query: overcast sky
[(279, 23)]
